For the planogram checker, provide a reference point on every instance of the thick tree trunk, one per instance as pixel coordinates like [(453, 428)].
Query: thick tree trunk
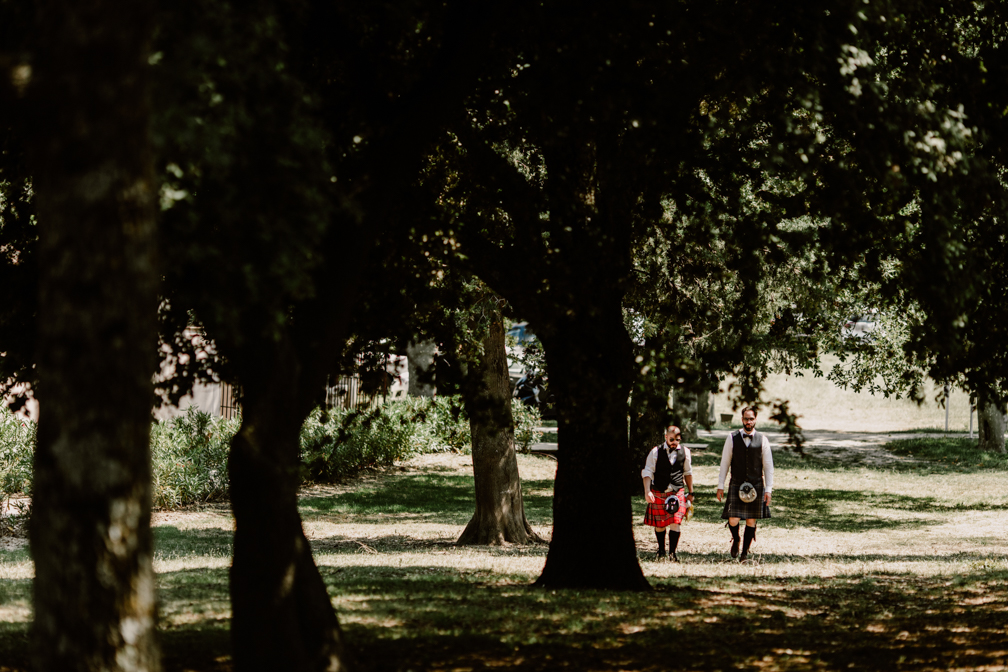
[(992, 423), (94, 587), (590, 365), (420, 363), (500, 511), (282, 616)]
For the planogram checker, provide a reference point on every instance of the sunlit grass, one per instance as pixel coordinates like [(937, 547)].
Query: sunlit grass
[(860, 568)]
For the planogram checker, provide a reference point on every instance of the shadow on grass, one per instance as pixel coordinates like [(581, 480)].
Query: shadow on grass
[(171, 542), (447, 498), (195, 619), (817, 509), (435, 618), (342, 545)]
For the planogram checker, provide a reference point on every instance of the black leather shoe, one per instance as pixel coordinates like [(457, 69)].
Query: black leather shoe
[(673, 557)]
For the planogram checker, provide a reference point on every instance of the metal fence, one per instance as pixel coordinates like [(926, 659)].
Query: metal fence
[(347, 392), (230, 409)]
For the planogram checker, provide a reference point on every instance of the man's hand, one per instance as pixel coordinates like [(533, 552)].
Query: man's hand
[(649, 497), (720, 494), (766, 498)]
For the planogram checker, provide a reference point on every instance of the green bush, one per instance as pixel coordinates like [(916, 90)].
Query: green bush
[(526, 419), (339, 444), (441, 424), (17, 453), (189, 453), (189, 458)]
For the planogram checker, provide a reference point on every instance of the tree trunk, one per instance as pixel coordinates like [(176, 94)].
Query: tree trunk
[(593, 544), (94, 587), (420, 363), (282, 616), (705, 409), (500, 511), (992, 423)]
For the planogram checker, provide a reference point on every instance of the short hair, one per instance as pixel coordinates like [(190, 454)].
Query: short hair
[(672, 428), (755, 411)]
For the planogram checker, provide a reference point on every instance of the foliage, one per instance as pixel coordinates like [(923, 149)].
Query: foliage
[(17, 451), (189, 455), (339, 444), (526, 420)]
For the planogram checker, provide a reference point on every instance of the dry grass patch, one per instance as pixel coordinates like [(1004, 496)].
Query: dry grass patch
[(860, 568)]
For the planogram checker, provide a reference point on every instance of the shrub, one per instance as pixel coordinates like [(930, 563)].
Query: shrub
[(526, 419), (17, 453), (441, 424), (339, 444), (189, 458)]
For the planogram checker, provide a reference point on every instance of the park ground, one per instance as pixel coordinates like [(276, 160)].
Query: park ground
[(879, 556)]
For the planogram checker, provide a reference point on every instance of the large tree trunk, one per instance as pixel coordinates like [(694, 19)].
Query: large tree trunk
[(992, 423), (500, 511), (94, 587), (590, 364), (420, 364), (282, 616)]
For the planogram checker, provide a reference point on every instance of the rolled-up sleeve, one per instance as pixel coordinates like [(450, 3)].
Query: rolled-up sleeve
[(726, 455), (649, 464), (687, 462)]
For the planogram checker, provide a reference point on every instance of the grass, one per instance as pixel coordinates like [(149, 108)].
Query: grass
[(822, 405), (954, 453), (860, 568)]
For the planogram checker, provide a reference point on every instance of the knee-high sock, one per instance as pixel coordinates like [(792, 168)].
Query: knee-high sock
[(747, 538), (734, 531), (673, 541), (660, 535)]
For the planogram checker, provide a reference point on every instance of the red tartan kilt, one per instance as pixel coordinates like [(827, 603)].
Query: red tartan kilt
[(657, 516)]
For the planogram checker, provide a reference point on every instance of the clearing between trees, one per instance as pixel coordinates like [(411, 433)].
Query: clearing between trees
[(872, 560)]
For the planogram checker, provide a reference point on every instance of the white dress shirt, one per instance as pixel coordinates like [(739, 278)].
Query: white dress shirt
[(726, 455), (652, 460)]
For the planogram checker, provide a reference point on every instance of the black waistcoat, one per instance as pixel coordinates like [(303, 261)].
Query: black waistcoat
[(667, 473), (747, 463)]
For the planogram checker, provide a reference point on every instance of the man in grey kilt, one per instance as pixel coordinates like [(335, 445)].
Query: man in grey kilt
[(747, 452)]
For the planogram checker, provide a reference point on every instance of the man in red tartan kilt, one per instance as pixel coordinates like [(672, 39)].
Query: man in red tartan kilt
[(667, 473), (747, 452)]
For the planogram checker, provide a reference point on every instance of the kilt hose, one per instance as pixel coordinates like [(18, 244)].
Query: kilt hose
[(735, 508), (657, 516)]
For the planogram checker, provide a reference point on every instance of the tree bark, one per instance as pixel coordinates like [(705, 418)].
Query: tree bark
[(94, 587), (500, 510), (590, 364), (420, 363), (282, 617), (992, 423)]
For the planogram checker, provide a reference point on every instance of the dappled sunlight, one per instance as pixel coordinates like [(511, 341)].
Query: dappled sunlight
[(858, 569)]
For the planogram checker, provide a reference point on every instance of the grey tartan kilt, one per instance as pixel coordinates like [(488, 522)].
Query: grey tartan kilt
[(736, 508)]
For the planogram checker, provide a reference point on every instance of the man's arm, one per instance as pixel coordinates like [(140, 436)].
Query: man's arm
[(726, 455), (767, 470), (647, 473), (688, 472)]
